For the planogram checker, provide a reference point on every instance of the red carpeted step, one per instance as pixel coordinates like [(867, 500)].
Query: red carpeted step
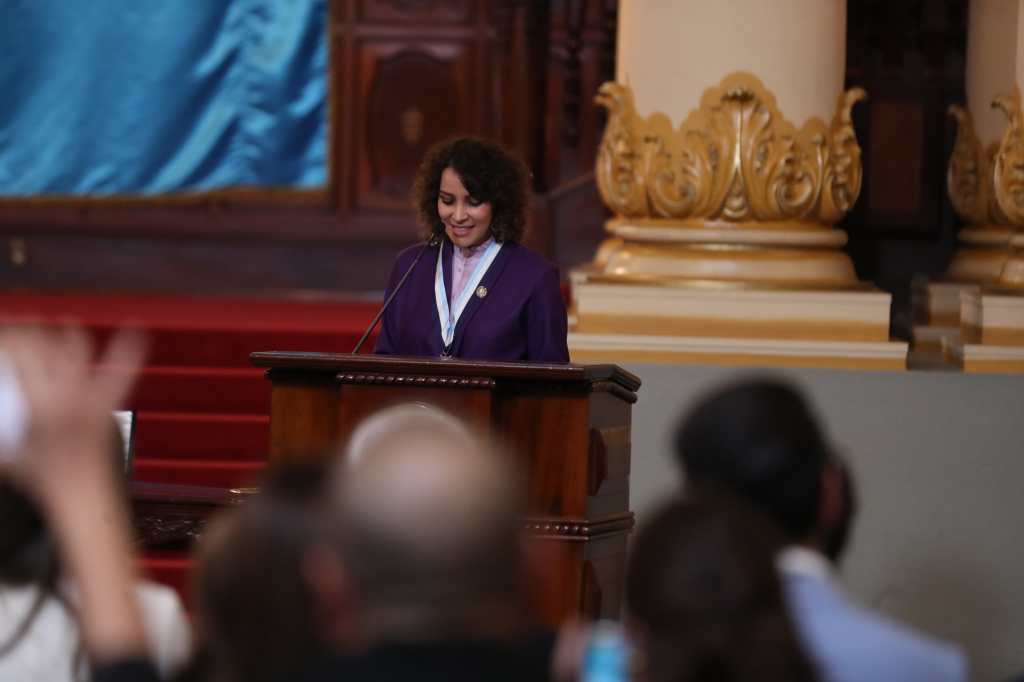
[(215, 331), (201, 389), (194, 435), (187, 312), (201, 408), (173, 569), (208, 472), (231, 347)]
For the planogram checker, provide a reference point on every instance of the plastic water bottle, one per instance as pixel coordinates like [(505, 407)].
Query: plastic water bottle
[(606, 658)]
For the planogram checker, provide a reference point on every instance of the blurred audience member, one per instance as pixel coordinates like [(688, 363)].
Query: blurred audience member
[(256, 617), (64, 466), (373, 430), (425, 565), (705, 598), (37, 605), (836, 536), (760, 440)]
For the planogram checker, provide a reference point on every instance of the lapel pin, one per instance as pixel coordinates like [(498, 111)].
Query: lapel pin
[(481, 291)]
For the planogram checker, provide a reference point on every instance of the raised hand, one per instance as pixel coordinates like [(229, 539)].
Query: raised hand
[(68, 403), (65, 463)]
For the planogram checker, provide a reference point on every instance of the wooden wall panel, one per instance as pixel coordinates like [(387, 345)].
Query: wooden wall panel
[(581, 57), (412, 94), (896, 145), (409, 11), (909, 55)]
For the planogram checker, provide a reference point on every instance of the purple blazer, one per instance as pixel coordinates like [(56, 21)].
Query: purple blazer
[(521, 318)]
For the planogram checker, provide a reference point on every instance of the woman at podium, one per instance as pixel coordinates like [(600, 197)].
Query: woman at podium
[(472, 290)]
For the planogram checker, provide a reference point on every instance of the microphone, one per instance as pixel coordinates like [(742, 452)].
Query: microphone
[(433, 241)]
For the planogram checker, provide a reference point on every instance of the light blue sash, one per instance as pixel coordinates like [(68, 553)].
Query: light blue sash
[(450, 318)]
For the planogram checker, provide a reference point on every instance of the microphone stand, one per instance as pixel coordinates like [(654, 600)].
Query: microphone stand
[(433, 241)]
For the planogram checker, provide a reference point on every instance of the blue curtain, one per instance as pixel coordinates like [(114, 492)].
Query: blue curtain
[(102, 97)]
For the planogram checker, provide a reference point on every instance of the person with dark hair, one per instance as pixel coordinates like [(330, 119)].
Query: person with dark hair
[(705, 601), (473, 290), (837, 535), (39, 637), (63, 465), (260, 625), (760, 441)]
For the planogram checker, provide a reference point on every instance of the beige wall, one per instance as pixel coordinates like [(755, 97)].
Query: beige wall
[(670, 51), (938, 457)]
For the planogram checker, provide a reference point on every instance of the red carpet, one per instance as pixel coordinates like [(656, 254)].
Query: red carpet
[(202, 411), (181, 312)]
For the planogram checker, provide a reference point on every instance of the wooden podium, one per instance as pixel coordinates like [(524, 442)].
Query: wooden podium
[(570, 423)]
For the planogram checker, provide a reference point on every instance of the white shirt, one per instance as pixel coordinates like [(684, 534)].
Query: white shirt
[(46, 651), (798, 560), (464, 261)]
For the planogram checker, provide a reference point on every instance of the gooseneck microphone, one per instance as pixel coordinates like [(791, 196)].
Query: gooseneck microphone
[(433, 241)]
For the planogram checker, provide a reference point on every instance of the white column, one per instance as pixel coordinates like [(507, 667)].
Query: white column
[(670, 51), (995, 61)]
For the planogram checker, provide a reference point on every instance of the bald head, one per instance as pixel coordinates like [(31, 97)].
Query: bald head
[(373, 432), (428, 523)]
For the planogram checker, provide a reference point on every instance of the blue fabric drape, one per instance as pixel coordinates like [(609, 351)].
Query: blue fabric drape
[(145, 97)]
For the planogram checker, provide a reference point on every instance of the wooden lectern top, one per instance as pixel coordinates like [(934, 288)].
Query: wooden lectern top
[(283, 361)]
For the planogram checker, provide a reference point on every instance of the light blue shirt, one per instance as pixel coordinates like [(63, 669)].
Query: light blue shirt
[(849, 643)]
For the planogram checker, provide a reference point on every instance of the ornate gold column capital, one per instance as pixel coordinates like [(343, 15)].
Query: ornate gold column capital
[(969, 179), (986, 187), (1008, 174), (1008, 162), (734, 159)]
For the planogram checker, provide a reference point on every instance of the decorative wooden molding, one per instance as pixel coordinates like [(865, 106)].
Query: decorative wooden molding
[(168, 516), (734, 159), (615, 389), (159, 530), (288, 363), (413, 380), (579, 529), (175, 516)]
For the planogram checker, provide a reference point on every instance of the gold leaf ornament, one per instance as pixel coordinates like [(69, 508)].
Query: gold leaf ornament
[(969, 177), (735, 159), (620, 168), (1008, 164)]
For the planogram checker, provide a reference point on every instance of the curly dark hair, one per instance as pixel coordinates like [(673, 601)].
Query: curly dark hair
[(489, 173), (702, 582)]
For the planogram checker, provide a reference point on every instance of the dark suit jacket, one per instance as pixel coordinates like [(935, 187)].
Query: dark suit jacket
[(482, 660), (521, 318)]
